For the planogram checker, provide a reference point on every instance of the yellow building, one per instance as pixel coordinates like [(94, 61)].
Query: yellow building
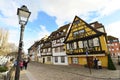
[(85, 38)]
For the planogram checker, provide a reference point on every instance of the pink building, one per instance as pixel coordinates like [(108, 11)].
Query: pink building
[(113, 46)]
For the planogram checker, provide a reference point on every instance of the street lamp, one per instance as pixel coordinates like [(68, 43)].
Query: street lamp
[(23, 15)]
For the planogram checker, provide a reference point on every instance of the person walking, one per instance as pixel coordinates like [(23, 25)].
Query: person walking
[(21, 64), (96, 63), (99, 64), (25, 62)]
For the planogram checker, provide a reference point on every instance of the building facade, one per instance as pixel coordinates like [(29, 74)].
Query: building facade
[(33, 51), (72, 43), (58, 47), (84, 40), (113, 46)]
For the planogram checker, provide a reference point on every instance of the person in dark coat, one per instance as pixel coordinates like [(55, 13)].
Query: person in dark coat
[(95, 63), (25, 63)]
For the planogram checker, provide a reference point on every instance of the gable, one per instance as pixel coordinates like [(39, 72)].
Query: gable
[(81, 30)]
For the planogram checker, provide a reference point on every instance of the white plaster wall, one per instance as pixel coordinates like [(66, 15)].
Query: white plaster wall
[(59, 54), (59, 61)]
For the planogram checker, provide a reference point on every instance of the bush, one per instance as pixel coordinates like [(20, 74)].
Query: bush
[(3, 68)]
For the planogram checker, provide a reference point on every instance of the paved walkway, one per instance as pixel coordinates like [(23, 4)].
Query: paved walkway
[(102, 74)]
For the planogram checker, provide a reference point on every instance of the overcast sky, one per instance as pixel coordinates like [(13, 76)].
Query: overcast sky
[(48, 15)]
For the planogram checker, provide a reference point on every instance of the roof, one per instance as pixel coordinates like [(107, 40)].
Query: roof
[(111, 37), (88, 25), (96, 24), (61, 32)]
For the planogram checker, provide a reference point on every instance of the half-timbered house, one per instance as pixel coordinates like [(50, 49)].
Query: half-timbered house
[(85, 40), (58, 47), (46, 51), (33, 51)]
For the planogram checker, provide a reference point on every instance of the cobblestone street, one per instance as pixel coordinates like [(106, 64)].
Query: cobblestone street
[(37, 71)]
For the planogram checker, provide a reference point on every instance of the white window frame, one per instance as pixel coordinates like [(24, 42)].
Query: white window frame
[(96, 42), (75, 60), (80, 44), (56, 59), (62, 59)]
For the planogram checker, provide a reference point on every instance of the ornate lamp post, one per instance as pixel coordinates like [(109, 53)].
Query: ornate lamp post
[(23, 15)]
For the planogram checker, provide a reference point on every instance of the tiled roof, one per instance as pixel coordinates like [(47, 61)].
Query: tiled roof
[(61, 32), (111, 37), (96, 25)]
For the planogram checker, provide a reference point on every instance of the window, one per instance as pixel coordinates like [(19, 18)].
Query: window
[(85, 44), (48, 58), (62, 39), (56, 59), (62, 59), (67, 45), (81, 32), (75, 45), (112, 49), (62, 48), (75, 60), (58, 41), (80, 44), (75, 34), (56, 49), (71, 46), (117, 49), (96, 42), (53, 50), (90, 43), (49, 49), (116, 44), (54, 42)]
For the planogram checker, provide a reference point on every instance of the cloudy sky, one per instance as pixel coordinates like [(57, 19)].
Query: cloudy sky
[(48, 15)]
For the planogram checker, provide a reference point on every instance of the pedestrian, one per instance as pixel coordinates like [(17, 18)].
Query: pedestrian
[(21, 64), (99, 64), (25, 62), (95, 63), (15, 63)]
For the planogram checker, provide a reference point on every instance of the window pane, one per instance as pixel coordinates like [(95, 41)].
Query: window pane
[(75, 45), (67, 45), (56, 59), (81, 33), (85, 44), (80, 44), (75, 34), (63, 59), (75, 60), (48, 58), (90, 43), (96, 42)]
